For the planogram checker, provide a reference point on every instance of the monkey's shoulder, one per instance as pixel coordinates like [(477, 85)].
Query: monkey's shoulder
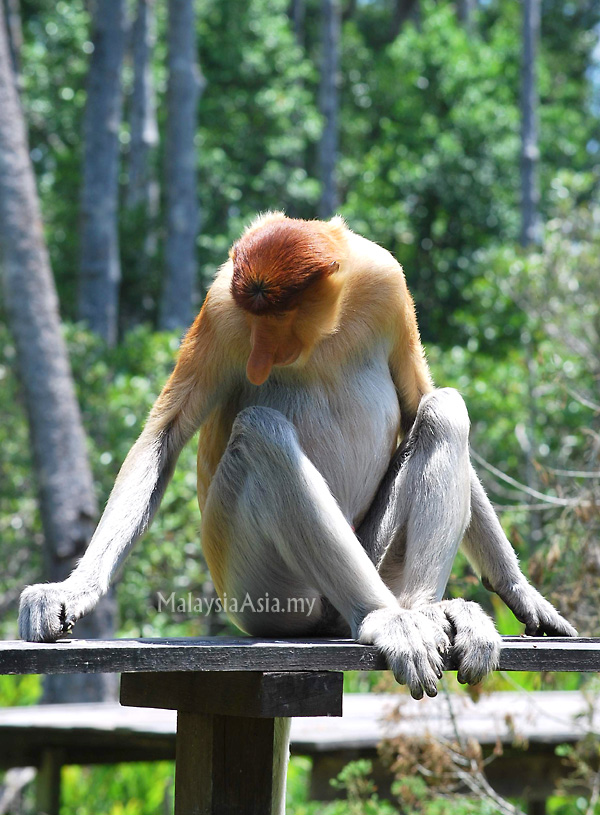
[(375, 287)]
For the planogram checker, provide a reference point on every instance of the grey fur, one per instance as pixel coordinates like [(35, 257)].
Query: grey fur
[(493, 557), (49, 610)]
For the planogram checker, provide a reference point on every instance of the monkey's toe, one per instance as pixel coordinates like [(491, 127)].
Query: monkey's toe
[(414, 647)]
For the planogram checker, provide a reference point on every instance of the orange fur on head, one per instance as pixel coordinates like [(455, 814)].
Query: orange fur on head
[(275, 262)]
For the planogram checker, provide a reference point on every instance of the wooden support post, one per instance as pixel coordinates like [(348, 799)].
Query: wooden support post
[(48, 783), (228, 764), (233, 732)]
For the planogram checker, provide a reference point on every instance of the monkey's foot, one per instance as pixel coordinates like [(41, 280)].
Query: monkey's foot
[(48, 611), (475, 641), (529, 607), (413, 644)]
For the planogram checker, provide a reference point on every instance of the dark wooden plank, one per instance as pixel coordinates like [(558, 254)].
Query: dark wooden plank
[(249, 693), (550, 654), (246, 654), (186, 654)]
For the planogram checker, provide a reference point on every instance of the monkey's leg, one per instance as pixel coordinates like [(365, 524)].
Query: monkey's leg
[(273, 531), (417, 521), (489, 550)]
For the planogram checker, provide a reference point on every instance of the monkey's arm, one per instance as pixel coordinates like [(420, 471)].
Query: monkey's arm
[(489, 550), (48, 611), (408, 365)]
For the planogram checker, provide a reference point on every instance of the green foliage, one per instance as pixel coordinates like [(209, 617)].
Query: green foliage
[(123, 789), (258, 120), (431, 139), (429, 133), (436, 176), (354, 782), (20, 690)]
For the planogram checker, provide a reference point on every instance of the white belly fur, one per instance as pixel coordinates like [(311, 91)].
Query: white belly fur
[(349, 432)]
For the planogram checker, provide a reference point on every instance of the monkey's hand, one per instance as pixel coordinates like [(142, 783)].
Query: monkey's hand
[(48, 611), (413, 644), (475, 641), (529, 607)]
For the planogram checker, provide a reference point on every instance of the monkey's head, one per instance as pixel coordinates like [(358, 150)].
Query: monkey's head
[(286, 280)]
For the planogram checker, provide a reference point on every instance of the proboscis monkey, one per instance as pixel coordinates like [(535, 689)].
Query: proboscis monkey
[(329, 468)]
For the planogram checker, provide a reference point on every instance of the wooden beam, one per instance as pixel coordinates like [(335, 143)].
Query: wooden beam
[(246, 654), (248, 694)]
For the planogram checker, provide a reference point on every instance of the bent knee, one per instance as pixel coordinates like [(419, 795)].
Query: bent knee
[(444, 411), (257, 429)]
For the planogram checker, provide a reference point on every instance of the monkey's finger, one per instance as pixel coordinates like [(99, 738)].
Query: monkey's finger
[(405, 673), (436, 662), (533, 628), (426, 673), (404, 676), (557, 627)]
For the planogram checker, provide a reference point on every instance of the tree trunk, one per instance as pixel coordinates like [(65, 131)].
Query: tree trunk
[(531, 234), (65, 486), (465, 9), (14, 30), (298, 17), (100, 266), (530, 196), (402, 12), (329, 106), (142, 189), (178, 304), (142, 199)]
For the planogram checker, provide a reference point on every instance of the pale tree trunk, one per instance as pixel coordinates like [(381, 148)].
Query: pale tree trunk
[(329, 106), (186, 83), (530, 196), (66, 491), (143, 193), (297, 161), (14, 30), (100, 266), (466, 9), (531, 233), (142, 189), (298, 17)]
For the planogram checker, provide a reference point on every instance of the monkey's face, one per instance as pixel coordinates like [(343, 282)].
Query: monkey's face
[(273, 341)]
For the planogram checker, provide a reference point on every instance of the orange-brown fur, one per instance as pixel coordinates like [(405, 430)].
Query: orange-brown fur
[(275, 263)]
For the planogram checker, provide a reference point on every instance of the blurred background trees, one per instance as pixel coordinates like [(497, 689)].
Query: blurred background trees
[(453, 133)]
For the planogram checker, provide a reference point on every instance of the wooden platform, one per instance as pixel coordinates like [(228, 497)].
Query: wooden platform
[(234, 698), (247, 654)]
